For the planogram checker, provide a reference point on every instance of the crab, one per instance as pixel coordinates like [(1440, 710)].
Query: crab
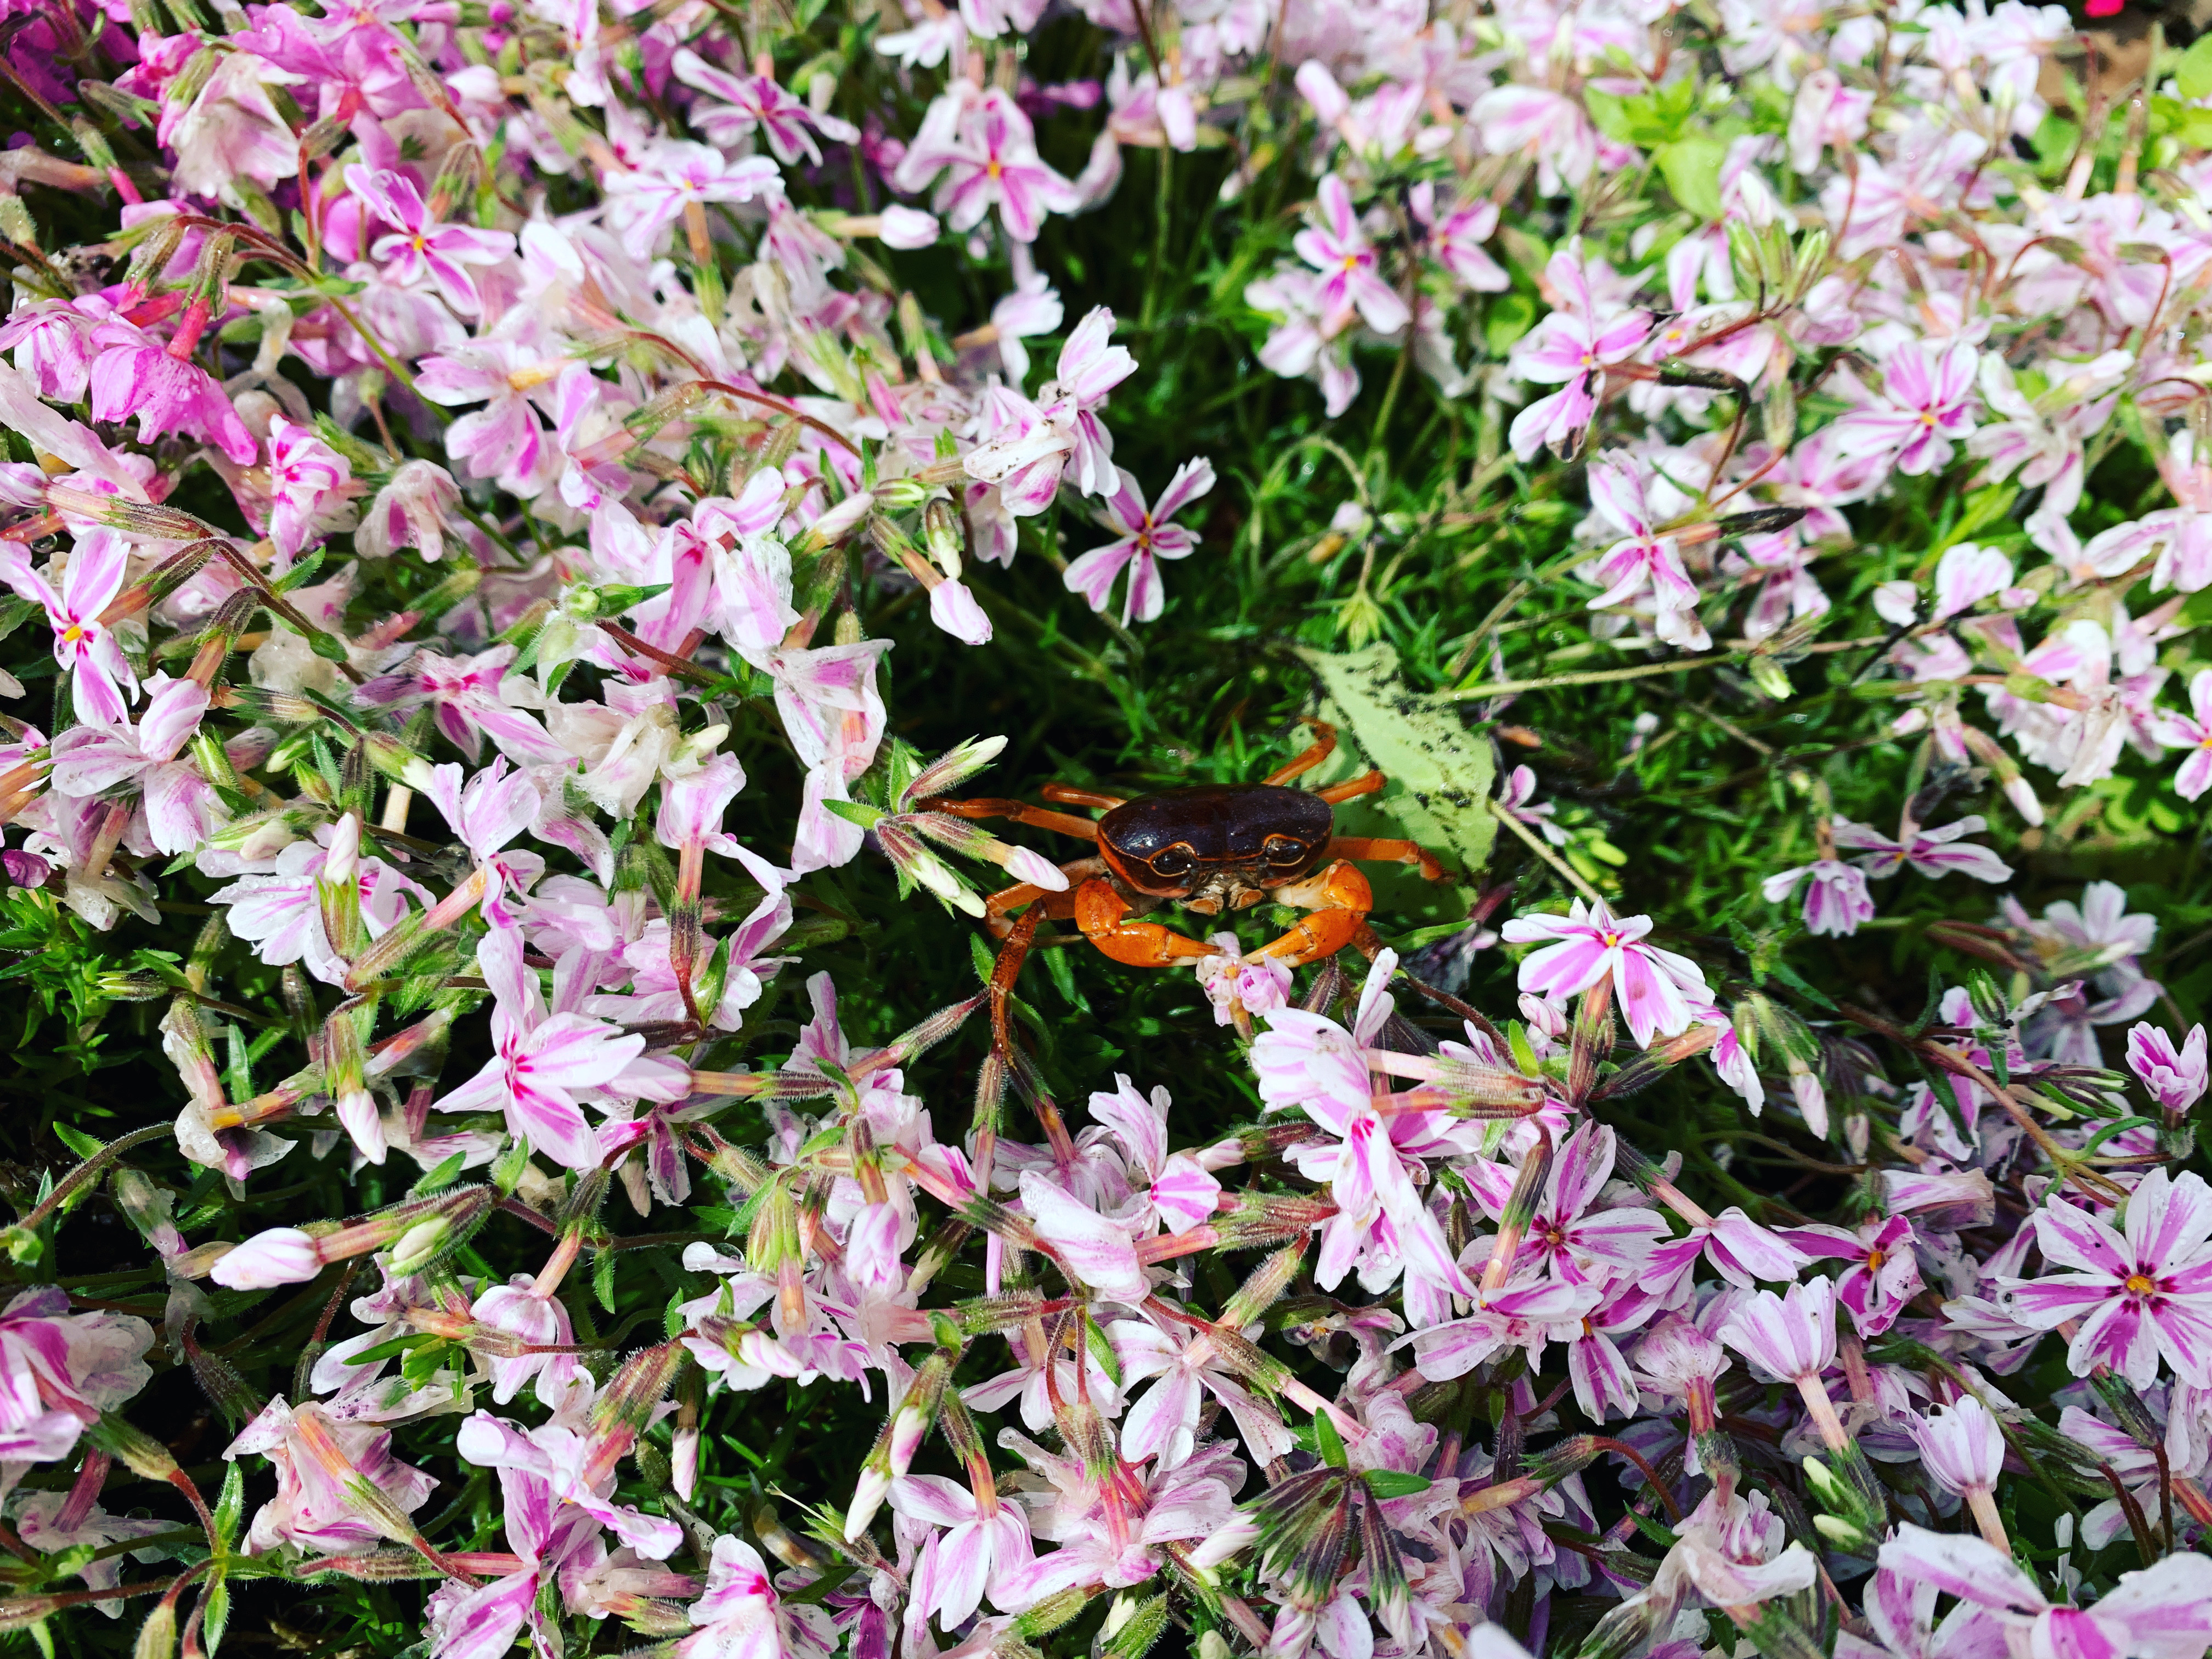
[(1209, 849)]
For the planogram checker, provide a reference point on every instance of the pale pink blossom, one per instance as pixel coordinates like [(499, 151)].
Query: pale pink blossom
[(1652, 987)]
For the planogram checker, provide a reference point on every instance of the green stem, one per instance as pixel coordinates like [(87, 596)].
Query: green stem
[(1160, 207)]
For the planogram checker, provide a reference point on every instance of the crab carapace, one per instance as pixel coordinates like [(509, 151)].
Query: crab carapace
[(1210, 848)]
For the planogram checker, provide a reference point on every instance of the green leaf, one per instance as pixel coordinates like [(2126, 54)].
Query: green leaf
[(1506, 319), (230, 1506), (1331, 1443), (1440, 773), (76, 1140), (2193, 73), (1692, 168), (437, 1179), (1390, 1483)]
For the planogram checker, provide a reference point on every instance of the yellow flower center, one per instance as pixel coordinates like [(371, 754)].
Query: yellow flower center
[(2139, 1285), (72, 633)]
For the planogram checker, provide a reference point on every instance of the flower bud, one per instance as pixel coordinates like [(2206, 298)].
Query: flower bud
[(282, 1255), (420, 1244)]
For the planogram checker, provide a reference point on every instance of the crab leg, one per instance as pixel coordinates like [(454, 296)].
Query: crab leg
[(1324, 745), (1102, 913), (1058, 905), (1339, 898), (1020, 811), (1390, 852)]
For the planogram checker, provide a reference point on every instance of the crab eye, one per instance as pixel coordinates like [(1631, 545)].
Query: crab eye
[(1281, 849), (1176, 860)]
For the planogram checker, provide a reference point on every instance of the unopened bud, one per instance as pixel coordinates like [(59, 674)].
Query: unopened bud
[(281, 1255)]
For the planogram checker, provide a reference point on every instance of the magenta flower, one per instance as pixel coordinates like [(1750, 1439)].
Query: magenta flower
[(306, 477), (741, 1616), (972, 1556), (544, 1064), (1573, 345), (468, 700), (1572, 1237), (756, 101), (323, 1466), (1654, 988), (2163, 1611), (643, 203), (1643, 560), (1836, 902), (2192, 731), (1334, 244), (2175, 1077), (421, 247), (181, 808), (986, 151), (1931, 852), (1146, 539), (1963, 1448), (1927, 400), (102, 683), (2141, 1296), (136, 374), (1885, 1270)]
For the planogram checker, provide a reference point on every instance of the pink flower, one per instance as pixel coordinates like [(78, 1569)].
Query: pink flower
[(544, 1064), (58, 1371), (972, 1558), (1653, 987), (1028, 449), (2141, 1297), (1929, 851), (468, 701), (1643, 560), (1231, 980), (1170, 1188), (1966, 575), (740, 1616), (1306, 1060), (1573, 344), (2175, 1078), (1187, 1365), (641, 203), (305, 475), (322, 1464), (136, 374), (1572, 1237), (1335, 246), (2192, 731), (103, 684), (1099, 1250), (421, 247), (986, 150), (1927, 400), (410, 511), (1146, 538), (750, 101), (1885, 1270), (181, 808), (1793, 1336), (1453, 235), (2163, 1611), (518, 1309), (1962, 1447), (1836, 903)]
